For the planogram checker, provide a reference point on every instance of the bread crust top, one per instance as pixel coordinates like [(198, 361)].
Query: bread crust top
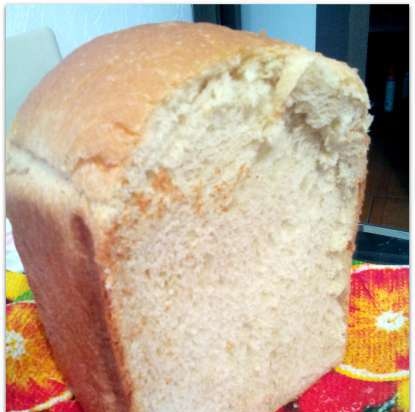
[(94, 106)]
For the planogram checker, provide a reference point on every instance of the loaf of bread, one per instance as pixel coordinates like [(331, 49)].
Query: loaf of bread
[(185, 199)]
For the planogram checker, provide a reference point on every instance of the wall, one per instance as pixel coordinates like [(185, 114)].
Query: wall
[(333, 30), (342, 33), (358, 37), (75, 24), (293, 23)]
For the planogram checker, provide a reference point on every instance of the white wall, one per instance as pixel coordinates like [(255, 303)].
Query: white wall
[(293, 23), (75, 24)]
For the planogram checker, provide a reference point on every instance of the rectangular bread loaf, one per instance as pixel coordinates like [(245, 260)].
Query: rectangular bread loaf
[(185, 199)]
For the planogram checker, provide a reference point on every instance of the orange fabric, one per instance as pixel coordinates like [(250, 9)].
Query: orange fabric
[(32, 378), (378, 324)]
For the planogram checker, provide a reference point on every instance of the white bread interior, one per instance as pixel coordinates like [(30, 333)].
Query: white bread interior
[(236, 216), (242, 204)]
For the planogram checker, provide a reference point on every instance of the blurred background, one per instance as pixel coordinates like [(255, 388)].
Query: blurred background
[(372, 38)]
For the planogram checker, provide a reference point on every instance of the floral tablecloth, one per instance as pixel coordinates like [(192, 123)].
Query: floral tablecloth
[(374, 374)]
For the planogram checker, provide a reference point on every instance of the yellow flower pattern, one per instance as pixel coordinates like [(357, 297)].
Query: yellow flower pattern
[(378, 327)]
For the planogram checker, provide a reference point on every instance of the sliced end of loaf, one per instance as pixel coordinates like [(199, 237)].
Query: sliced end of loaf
[(233, 251)]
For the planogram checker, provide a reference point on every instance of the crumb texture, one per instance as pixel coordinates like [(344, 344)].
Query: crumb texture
[(242, 202)]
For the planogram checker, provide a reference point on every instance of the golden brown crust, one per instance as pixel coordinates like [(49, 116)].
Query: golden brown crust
[(89, 113), (52, 234), (98, 99)]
